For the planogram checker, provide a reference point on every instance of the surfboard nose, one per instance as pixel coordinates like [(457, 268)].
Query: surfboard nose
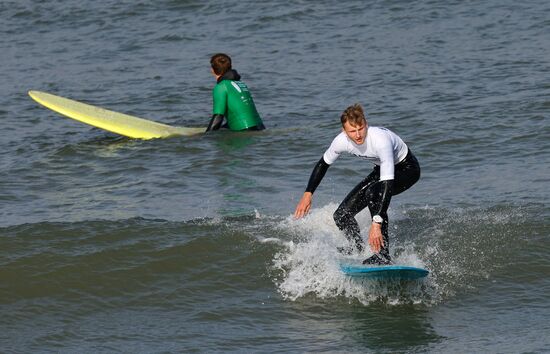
[(119, 123)]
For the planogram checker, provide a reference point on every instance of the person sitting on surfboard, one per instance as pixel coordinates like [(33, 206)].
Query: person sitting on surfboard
[(396, 170), (232, 99)]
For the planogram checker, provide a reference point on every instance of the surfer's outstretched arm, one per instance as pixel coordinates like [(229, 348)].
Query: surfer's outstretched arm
[(316, 176), (303, 206)]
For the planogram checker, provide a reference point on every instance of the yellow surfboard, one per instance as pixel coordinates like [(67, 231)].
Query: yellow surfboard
[(119, 123)]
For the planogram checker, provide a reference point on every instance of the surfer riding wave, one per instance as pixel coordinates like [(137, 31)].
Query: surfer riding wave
[(396, 170)]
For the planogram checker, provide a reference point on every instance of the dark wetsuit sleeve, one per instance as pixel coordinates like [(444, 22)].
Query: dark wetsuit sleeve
[(215, 122), (317, 175), (386, 193)]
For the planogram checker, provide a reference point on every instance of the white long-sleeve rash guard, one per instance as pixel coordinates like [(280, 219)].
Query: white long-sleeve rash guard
[(382, 147)]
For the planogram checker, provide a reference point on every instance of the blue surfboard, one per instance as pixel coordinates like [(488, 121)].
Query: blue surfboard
[(384, 271)]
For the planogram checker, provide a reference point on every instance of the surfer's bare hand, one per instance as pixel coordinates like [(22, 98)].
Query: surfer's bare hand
[(376, 241), (303, 206)]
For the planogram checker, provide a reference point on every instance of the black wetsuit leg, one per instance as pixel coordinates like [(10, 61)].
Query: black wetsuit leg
[(356, 200), (368, 193), (407, 173)]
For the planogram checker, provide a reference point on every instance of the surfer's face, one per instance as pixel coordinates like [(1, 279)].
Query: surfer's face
[(357, 133)]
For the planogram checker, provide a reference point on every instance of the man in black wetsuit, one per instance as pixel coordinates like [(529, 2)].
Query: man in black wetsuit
[(396, 170)]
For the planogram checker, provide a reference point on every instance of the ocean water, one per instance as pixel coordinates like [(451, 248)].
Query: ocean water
[(109, 244)]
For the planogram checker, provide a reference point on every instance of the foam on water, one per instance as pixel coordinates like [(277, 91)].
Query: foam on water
[(310, 265), (461, 247)]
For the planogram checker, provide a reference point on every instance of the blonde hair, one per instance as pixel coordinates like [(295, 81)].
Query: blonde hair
[(354, 115)]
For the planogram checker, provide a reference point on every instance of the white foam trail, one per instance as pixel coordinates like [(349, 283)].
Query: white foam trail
[(311, 264), (275, 240)]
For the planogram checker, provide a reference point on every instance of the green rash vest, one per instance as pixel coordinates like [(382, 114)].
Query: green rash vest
[(233, 100)]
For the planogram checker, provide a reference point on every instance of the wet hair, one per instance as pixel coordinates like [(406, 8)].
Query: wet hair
[(354, 115), (221, 63)]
